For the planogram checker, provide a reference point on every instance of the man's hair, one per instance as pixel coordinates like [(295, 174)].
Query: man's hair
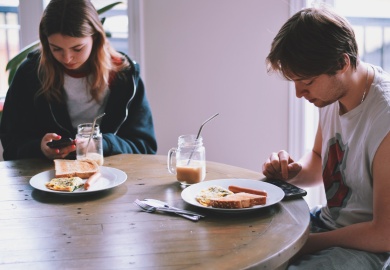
[(76, 18), (312, 42)]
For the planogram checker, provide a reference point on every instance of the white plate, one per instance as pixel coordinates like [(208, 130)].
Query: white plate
[(110, 178), (274, 193)]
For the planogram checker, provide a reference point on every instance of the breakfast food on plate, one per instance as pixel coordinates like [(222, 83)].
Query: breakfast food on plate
[(229, 202), (73, 168), (69, 174), (237, 189), (238, 200), (206, 194), (65, 183), (234, 197), (255, 199), (91, 180)]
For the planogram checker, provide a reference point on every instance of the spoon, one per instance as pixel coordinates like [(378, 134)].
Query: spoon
[(152, 209), (200, 130), (93, 129)]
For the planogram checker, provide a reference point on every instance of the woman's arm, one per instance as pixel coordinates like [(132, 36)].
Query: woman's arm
[(18, 133), (136, 135)]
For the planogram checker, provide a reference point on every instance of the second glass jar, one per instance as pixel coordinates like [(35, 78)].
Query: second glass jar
[(188, 160), (88, 147)]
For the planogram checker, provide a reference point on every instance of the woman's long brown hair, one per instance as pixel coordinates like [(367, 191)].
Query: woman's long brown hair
[(76, 18)]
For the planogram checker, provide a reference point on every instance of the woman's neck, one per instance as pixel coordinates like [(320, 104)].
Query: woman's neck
[(81, 72)]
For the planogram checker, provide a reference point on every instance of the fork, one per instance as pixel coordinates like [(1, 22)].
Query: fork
[(151, 209), (157, 203)]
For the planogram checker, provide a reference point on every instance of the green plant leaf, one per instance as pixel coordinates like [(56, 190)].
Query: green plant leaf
[(11, 75), (15, 61), (108, 7)]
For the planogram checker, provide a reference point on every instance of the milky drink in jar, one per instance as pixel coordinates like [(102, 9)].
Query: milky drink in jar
[(98, 158), (188, 160), (94, 143), (190, 172)]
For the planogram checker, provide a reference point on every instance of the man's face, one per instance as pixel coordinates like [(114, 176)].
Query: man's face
[(320, 90)]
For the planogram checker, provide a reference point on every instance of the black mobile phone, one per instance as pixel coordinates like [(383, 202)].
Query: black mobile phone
[(63, 142), (291, 191)]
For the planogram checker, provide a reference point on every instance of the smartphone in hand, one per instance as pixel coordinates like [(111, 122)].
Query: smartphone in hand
[(63, 142), (291, 191)]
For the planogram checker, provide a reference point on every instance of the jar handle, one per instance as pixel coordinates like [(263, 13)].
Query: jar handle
[(171, 168)]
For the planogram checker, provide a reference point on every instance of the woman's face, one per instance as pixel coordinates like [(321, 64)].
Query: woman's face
[(71, 52)]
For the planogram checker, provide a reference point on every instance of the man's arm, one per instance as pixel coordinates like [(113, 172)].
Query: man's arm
[(372, 236), (311, 173)]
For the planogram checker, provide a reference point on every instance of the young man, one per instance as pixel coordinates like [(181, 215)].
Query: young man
[(317, 50)]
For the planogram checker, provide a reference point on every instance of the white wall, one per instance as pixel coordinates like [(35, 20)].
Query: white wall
[(30, 13), (202, 57)]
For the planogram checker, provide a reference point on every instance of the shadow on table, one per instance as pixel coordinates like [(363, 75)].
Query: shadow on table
[(266, 212), (55, 198)]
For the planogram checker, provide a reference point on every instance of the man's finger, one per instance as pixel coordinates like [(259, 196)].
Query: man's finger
[(284, 158)]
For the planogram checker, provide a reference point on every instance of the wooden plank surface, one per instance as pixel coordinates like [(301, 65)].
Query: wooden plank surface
[(105, 230)]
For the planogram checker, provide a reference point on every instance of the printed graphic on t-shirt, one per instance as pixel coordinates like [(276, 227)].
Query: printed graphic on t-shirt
[(337, 192)]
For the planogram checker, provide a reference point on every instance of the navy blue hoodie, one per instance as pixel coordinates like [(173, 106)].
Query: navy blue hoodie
[(127, 126)]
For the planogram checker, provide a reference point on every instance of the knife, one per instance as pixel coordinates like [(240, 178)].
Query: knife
[(157, 203)]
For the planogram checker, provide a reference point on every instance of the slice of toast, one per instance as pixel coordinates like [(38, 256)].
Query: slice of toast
[(75, 168), (254, 198), (245, 200), (228, 202), (238, 200)]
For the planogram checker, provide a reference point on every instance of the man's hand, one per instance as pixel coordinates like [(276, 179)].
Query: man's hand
[(281, 166)]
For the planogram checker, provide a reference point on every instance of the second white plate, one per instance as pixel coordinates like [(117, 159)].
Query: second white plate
[(110, 178), (274, 193)]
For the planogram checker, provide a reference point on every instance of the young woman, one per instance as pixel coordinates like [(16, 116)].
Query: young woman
[(75, 76)]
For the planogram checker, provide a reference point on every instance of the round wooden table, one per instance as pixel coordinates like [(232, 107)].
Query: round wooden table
[(106, 230)]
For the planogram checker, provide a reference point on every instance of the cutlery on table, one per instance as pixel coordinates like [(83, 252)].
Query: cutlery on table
[(151, 209), (158, 203)]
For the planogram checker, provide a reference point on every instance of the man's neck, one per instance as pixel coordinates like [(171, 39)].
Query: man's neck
[(357, 86)]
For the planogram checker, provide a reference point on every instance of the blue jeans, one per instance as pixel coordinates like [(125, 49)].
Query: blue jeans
[(337, 258)]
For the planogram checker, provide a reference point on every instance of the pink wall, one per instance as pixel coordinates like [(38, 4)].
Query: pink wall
[(202, 57)]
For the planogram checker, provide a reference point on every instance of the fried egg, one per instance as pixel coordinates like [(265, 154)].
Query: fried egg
[(206, 194)]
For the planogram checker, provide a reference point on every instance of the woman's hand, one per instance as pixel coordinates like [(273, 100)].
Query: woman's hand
[(54, 153), (281, 166)]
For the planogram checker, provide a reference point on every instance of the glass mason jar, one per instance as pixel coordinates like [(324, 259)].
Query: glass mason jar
[(88, 147), (188, 160)]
